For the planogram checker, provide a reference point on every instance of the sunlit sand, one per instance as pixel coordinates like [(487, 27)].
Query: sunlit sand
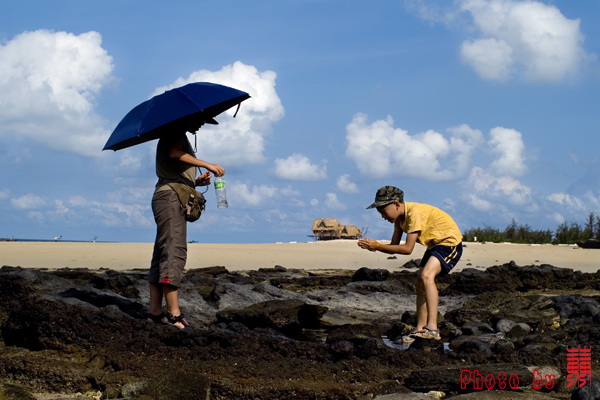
[(338, 254)]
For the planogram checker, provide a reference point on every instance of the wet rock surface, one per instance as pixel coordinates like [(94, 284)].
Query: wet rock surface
[(278, 333)]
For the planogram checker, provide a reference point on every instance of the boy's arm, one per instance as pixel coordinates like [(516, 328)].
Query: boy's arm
[(394, 247)]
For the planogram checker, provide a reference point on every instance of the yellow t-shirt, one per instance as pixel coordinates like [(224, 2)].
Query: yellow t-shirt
[(434, 225)]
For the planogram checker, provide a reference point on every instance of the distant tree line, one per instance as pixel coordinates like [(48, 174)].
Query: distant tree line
[(566, 233)]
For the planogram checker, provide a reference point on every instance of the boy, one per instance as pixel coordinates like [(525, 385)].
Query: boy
[(431, 227)]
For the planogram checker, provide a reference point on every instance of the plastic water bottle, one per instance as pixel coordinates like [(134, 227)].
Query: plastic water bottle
[(220, 191)]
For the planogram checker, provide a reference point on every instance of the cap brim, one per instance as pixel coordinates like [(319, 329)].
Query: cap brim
[(380, 203)]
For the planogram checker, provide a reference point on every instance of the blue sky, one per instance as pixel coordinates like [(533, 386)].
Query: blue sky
[(487, 109)]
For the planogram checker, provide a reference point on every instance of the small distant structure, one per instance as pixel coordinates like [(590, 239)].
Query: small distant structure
[(58, 238), (330, 229)]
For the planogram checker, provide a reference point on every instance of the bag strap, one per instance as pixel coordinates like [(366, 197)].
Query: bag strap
[(183, 192)]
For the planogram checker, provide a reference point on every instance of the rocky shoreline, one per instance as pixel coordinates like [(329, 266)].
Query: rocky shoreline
[(279, 333)]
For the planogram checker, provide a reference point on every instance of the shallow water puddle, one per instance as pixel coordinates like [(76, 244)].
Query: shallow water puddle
[(317, 335), (394, 344)]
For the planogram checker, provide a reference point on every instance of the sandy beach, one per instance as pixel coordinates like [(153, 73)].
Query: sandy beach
[(338, 254)]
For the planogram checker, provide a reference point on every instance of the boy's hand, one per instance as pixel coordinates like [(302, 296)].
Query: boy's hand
[(368, 244)]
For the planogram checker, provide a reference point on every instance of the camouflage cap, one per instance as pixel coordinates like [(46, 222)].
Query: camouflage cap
[(387, 195)]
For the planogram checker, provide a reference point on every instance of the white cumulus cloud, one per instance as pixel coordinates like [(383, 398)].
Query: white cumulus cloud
[(508, 146), (381, 150), (571, 207), (28, 202), (238, 141), (490, 58), (486, 191), (522, 37), (345, 185), (513, 38), (244, 195), (4, 194), (48, 84), (332, 202), (574, 203), (299, 168), (239, 193)]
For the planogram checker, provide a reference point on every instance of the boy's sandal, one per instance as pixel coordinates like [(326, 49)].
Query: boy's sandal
[(157, 319), (406, 339), (172, 320), (427, 333)]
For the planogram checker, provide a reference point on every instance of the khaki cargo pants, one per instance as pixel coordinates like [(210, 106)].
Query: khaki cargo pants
[(170, 247)]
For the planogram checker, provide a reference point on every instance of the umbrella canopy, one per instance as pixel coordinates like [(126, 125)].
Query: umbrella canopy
[(181, 106)]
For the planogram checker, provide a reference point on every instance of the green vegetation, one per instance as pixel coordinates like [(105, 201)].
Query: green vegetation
[(566, 233)]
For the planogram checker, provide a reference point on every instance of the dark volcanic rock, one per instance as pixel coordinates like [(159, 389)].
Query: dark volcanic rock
[(368, 274), (503, 346), (392, 287), (10, 391), (469, 378), (474, 281), (351, 333), (574, 306), (289, 316), (427, 345), (208, 271), (475, 347), (476, 328), (180, 385), (305, 283), (397, 330), (504, 325), (78, 330), (131, 308), (370, 347), (342, 350), (487, 340), (589, 244), (588, 391), (412, 264), (118, 283), (511, 277), (494, 306), (518, 330)]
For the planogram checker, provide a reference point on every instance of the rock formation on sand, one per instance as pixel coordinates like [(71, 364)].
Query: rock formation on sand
[(279, 333)]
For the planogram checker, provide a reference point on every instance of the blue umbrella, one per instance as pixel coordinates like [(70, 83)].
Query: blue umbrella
[(181, 106)]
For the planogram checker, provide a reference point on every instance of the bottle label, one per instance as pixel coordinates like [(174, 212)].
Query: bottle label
[(219, 184)]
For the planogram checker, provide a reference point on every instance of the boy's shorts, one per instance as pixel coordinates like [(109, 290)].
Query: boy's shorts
[(448, 256)]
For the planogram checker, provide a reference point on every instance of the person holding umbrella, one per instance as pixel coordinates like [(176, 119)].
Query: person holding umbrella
[(175, 163), (168, 117)]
